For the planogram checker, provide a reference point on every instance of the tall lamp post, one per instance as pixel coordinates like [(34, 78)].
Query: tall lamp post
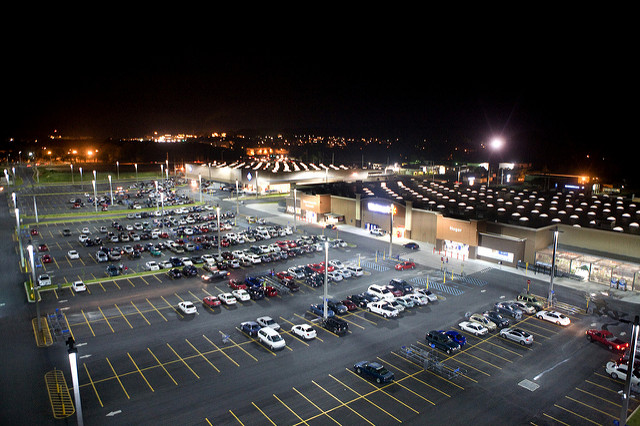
[(35, 286), (73, 363), (136, 166), (326, 290), (200, 187), (71, 173), (110, 192), (218, 218), (17, 212), (81, 182), (95, 196), (495, 145), (118, 169)]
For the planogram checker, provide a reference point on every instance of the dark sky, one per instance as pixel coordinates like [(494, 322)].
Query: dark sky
[(542, 93)]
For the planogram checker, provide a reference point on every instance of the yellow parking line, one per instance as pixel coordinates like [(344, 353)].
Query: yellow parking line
[(183, 361), (322, 412), (286, 320), (590, 406), (358, 325), (414, 378), (428, 371), (355, 313), (262, 412), (69, 326), (87, 321), (143, 317), (601, 386), (137, 368), (342, 404), (203, 357), (131, 282), (143, 280), (600, 398), (162, 366), (156, 309), (92, 384), (118, 378), (123, 316), (554, 419), (360, 396), (289, 408), (382, 389), (221, 351), (105, 318), (575, 414), (236, 417), (491, 353), (171, 306)]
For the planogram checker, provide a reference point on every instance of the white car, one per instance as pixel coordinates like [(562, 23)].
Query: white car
[(418, 299), (619, 371), (296, 272), (186, 261), (44, 279), (73, 254), (345, 273), (271, 338), (78, 286), (554, 317), (267, 321), (82, 238), (241, 295), (382, 308), (85, 230), (356, 271), (473, 327), (165, 264), (397, 305), (432, 297), (255, 259), (152, 266), (335, 276), (187, 307), (304, 331), (227, 298), (336, 264)]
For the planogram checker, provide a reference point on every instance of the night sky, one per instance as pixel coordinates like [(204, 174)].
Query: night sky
[(545, 96)]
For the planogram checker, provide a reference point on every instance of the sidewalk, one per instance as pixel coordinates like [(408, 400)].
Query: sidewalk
[(428, 257)]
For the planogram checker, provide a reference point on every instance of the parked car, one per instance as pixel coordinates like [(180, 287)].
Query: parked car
[(337, 307), (509, 310), (187, 307), (455, 336), (440, 340), (174, 273), (517, 335), (227, 299), (211, 301), (44, 279), (530, 299), (336, 325), (78, 286), (241, 295), (405, 265), (73, 254), (554, 317), (304, 331), (382, 308), (620, 371), (474, 328), (607, 338), (374, 370), (250, 327), (527, 309), (484, 321), (267, 321), (318, 309), (271, 338), (496, 318)]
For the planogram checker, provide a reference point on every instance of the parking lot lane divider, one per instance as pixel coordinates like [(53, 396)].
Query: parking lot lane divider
[(382, 390), (93, 384), (87, 321), (575, 414), (342, 404), (289, 408), (201, 355), (143, 317), (105, 318), (322, 412), (162, 366), (591, 407), (239, 346), (43, 339), (236, 417), (183, 361), (139, 371), (123, 315), (364, 397), (156, 309), (413, 376), (221, 350), (131, 282), (555, 420), (262, 412), (118, 379)]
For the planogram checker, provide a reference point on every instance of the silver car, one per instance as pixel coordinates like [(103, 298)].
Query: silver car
[(517, 335), (527, 309)]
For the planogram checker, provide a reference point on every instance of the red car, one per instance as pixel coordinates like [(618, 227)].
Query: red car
[(349, 304), (270, 291), (164, 235), (225, 242), (47, 259), (330, 268), (43, 247), (283, 275), (608, 339), (237, 285), (34, 231), (405, 265), (211, 301), (316, 267)]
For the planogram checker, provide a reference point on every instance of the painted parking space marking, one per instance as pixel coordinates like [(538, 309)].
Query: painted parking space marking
[(342, 404), (183, 361), (221, 351), (202, 355), (118, 379), (161, 365), (93, 385), (382, 390), (413, 376), (139, 371), (322, 412)]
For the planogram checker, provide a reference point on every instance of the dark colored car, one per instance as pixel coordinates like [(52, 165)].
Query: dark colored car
[(113, 270), (349, 305), (375, 370), (189, 271), (498, 319), (336, 325), (270, 291), (290, 284), (255, 293), (440, 340), (314, 280), (337, 307), (508, 309), (175, 261), (412, 246), (608, 339), (400, 285), (455, 336), (174, 273), (253, 282), (359, 300), (250, 327)]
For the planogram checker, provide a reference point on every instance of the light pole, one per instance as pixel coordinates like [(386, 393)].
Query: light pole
[(35, 208), (218, 218), (495, 145), (136, 166), (73, 363), (200, 187), (326, 290), (81, 182), (635, 328), (17, 212), (118, 169), (71, 174), (553, 265), (95, 196), (110, 192), (35, 286), (295, 210), (391, 212), (235, 219)]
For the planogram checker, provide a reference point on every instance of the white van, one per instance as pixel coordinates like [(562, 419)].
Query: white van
[(355, 270), (271, 338), (382, 293)]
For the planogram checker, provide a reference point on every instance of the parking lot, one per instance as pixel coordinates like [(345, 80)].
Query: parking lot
[(137, 349)]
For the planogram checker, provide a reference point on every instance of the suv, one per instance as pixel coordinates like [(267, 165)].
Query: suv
[(382, 293), (440, 340), (336, 325), (531, 300), (271, 338), (401, 285)]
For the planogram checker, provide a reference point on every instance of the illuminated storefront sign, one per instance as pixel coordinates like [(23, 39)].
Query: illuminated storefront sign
[(495, 254), (381, 208)]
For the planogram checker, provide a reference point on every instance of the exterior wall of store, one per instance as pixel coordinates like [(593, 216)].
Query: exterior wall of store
[(382, 220), (424, 226), (609, 243), (535, 239), (345, 207), (499, 243)]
